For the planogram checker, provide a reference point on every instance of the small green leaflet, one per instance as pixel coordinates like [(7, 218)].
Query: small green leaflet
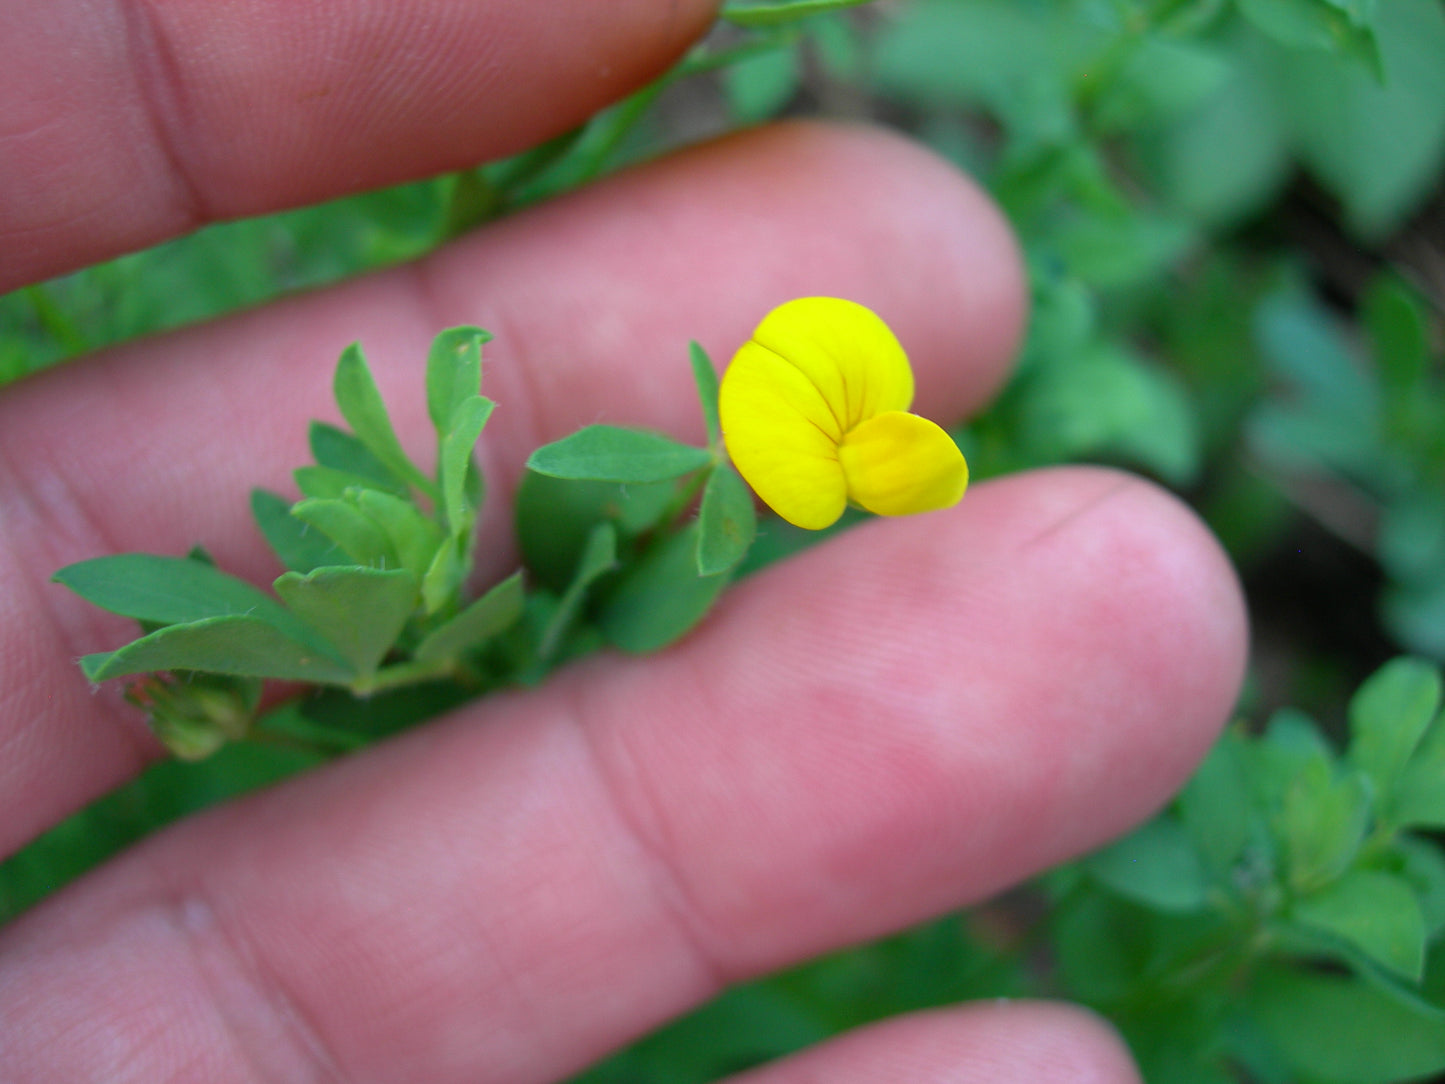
[(339, 450), (1376, 912), (1389, 715), (328, 483), (705, 376), (453, 374), (468, 419), (660, 598), (414, 537), (364, 411), (727, 522), (754, 14), (237, 644), (359, 610), (494, 612), (176, 591), (299, 547), (598, 557), (607, 453), (351, 529), (1156, 865)]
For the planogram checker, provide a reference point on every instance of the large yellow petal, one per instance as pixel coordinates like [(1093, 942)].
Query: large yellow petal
[(845, 351), (782, 438), (897, 464)]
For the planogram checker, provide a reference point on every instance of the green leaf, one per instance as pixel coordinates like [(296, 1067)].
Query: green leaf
[(786, 11), (1398, 323), (1163, 79), (237, 644), (299, 547), (1316, 24), (455, 463), (361, 406), (1015, 60), (1216, 807), (445, 576), (1377, 146), (608, 453), (599, 556), (173, 591), (355, 533), (1388, 716), (1336, 1030), (494, 612), (555, 516), (1155, 865), (759, 86), (1227, 159), (327, 483), (1374, 911), (727, 522), (339, 450), (705, 376), (1120, 250), (414, 538), (1321, 823), (1422, 864), (453, 373), (359, 610), (1103, 400), (661, 597), (1419, 796)]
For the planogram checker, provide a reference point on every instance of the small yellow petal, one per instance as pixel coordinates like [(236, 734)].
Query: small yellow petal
[(897, 464), (782, 438), (845, 351)]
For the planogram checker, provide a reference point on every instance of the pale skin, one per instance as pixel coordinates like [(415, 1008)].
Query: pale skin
[(907, 719)]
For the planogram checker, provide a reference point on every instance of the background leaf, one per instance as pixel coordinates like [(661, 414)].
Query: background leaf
[(1156, 864), (1376, 912), (1419, 796), (1331, 1029), (783, 11), (1389, 715), (1376, 146)]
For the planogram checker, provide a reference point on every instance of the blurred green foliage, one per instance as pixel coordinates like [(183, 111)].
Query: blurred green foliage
[(1225, 209)]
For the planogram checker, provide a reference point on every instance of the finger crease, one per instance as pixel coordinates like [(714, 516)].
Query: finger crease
[(675, 898), (159, 89), (264, 1022)]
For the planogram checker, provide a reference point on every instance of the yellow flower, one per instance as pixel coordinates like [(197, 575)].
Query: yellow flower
[(814, 414)]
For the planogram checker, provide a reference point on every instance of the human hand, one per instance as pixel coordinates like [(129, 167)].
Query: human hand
[(906, 719)]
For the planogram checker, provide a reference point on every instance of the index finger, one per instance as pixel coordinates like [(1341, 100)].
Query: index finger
[(126, 123)]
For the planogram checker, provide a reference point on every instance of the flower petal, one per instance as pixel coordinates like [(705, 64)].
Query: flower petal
[(782, 438), (845, 351), (897, 464)]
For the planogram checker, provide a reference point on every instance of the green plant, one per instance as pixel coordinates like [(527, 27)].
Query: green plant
[(1282, 920)]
